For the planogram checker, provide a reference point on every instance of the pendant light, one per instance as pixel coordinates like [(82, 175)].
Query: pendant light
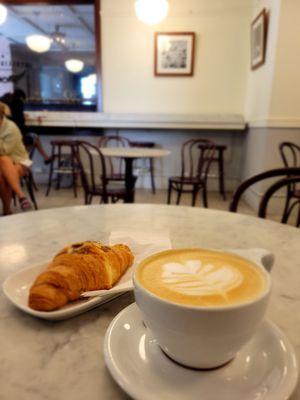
[(151, 12), (3, 14), (74, 65), (38, 43)]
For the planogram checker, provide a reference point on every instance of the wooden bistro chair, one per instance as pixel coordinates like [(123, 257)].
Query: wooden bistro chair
[(290, 154), (95, 181), (287, 177), (150, 161), (63, 163), (218, 159), (114, 168), (195, 162)]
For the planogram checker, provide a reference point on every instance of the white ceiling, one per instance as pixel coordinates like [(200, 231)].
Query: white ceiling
[(76, 22)]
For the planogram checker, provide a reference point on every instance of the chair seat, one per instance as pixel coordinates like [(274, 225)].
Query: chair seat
[(186, 180), (115, 177), (111, 191)]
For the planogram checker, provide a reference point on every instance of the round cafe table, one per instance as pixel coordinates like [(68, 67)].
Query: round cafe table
[(129, 154), (41, 359)]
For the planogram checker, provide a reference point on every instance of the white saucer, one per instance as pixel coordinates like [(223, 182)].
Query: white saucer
[(265, 369)]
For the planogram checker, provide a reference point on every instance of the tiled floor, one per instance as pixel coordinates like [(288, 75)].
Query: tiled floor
[(65, 197)]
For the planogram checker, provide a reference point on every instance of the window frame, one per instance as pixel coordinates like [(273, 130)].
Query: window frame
[(97, 23)]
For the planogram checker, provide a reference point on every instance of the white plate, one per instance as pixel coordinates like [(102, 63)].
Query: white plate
[(265, 369), (16, 288)]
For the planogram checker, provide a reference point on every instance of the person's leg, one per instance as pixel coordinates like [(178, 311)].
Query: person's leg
[(6, 195), (12, 174), (41, 149)]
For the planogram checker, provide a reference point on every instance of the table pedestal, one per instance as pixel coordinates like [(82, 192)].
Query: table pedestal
[(129, 180)]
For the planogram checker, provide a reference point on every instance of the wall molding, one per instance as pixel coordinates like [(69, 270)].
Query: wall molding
[(142, 121), (291, 123)]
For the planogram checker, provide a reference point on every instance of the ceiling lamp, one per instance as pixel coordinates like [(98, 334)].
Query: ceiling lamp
[(74, 65), (3, 14), (38, 43), (151, 12)]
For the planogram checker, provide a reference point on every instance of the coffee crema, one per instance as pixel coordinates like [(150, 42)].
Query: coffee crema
[(201, 277)]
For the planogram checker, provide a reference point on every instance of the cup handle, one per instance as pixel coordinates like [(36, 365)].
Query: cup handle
[(262, 257)]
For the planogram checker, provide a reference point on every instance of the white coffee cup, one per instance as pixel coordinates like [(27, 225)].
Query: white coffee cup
[(205, 337)]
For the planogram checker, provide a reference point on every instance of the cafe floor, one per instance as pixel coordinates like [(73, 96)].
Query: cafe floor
[(64, 197)]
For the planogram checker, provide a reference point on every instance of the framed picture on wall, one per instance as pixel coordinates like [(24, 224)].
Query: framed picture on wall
[(174, 53), (259, 39)]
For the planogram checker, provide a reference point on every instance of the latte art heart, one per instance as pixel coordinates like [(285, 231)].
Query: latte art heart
[(194, 278)]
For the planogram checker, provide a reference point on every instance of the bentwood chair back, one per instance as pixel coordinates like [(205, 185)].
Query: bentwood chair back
[(115, 167), (290, 154), (93, 175), (196, 158), (287, 177)]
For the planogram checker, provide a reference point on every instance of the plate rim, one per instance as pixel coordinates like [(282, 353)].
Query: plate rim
[(129, 388)]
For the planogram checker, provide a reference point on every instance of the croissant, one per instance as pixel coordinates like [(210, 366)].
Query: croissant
[(78, 268)]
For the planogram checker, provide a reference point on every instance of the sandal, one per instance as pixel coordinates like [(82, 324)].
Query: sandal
[(24, 204), (49, 160)]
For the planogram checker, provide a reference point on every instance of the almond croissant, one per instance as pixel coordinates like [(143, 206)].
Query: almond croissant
[(79, 268)]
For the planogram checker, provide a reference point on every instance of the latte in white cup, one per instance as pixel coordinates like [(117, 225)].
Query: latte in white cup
[(201, 305), (199, 277)]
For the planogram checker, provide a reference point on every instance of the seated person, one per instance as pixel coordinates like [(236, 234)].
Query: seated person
[(17, 104), (14, 163)]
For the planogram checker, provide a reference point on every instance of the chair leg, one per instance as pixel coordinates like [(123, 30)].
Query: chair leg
[(194, 196), (29, 185), (285, 214), (204, 196), (179, 193), (59, 163), (50, 178), (169, 193), (74, 172), (152, 175), (34, 184), (221, 174), (74, 184), (298, 218)]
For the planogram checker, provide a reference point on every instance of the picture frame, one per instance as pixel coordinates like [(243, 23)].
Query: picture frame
[(174, 53), (259, 39)]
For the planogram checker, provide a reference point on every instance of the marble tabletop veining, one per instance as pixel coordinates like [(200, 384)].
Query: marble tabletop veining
[(47, 360)]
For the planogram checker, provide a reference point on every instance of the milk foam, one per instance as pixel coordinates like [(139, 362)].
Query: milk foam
[(194, 278)]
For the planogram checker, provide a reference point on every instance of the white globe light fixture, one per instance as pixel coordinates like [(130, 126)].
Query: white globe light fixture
[(151, 12), (74, 65), (3, 14), (38, 43)]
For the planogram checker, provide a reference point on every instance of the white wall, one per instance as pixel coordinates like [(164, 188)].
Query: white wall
[(273, 96), (260, 80), (222, 58), (285, 104)]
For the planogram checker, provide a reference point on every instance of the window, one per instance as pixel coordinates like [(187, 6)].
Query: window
[(50, 52)]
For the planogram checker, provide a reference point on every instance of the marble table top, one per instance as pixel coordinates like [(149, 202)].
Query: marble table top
[(47, 360), (133, 152)]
